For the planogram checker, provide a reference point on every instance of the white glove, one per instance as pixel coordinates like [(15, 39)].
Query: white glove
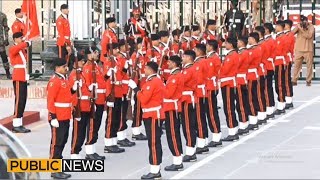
[(203, 41), (78, 119), (153, 59), (111, 70), (76, 83), (93, 85), (139, 65), (132, 84), (181, 51), (54, 123), (130, 62), (29, 43)]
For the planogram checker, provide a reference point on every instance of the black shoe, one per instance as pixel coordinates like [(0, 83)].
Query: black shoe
[(215, 144), (231, 138), (113, 149), (126, 143), (20, 129), (289, 106), (253, 127), (60, 175), (151, 176), (243, 131), (218, 107), (139, 137), (260, 122), (188, 158), (9, 76), (279, 112), (174, 167), (270, 116), (203, 150), (95, 156)]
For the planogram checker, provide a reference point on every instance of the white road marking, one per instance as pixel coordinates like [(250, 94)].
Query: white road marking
[(242, 140), (285, 120), (312, 128)]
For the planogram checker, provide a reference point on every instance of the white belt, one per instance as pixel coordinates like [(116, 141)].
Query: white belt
[(214, 78), (253, 70), (67, 37), (20, 66), (281, 58), (166, 70), (271, 60), (189, 93), (175, 101), (142, 75), (262, 67), (125, 81), (157, 109), (85, 98), (101, 91), (63, 105), (202, 87), (117, 83), (244, 76), (229, 79), (290, 56)]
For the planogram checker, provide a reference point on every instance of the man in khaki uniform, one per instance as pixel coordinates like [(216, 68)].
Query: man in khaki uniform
[(303, 49)]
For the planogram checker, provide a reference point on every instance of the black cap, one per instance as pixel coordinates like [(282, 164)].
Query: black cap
[(114, 45), (155, 37), (59, 62), (244, 39), (88, 50), (122, 42), (18, 10), (254, 35), (280, 23), (235, 3), (110, 20), (190, 53), (303, 18), (260, 29), (186, 28), (176, 32), (289, 22), (153, 65), (81, 57), (176, 59), (139, 40), (17, 35), (201, 47), (233, 41), (195, 27), (269, 26), (211, 22), (64, 6), (163, 33), (213, 43)]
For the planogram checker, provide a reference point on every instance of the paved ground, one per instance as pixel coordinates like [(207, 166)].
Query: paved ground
[(286, 147)]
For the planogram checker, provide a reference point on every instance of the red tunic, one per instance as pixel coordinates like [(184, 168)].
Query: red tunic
[(243, 66), (213, 67), (173, 92), (19, 26), (108, 35), (190, 83), (229, 69), (18, 60), (85, 93), (200, 66), (254, 62), (280, 50), (63, 28)]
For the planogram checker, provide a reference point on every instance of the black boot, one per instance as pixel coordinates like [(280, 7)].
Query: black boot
[(151, 176), (60, 175), (139, 137), (8, 74), (289, 106), (20, 129), (231, 138), (215, 144), (243, 131), (203, 150), (270, 116), (174, 167), (188, 158), (126, 143), (95, 156), (279, 112), (263, 121), (253, 127), (113, 149)]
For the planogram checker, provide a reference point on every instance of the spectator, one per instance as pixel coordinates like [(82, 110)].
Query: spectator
[(303, 49)]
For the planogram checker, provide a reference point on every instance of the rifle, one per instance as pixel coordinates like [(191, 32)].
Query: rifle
[(111, 97), (94, 91), (127, 50), (77, 113)]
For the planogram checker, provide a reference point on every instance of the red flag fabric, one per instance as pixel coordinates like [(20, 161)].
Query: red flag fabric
[(29, 8)]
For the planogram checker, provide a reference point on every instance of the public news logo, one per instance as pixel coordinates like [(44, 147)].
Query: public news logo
[(55, 165)]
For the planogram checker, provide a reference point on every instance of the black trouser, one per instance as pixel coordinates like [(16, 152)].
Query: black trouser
[(173, 133), (242, 103), (5, 61), (212, 112), (280, 86), (113, 119), (253, 97), (62, 52), (153, 131), (94, 125), (80, 129), (269, 89), (202, 127), (288, 84), (228, 97), (20, 93), (261, 96), (124, 108), (59, 138), (137, 113), (189, 124)]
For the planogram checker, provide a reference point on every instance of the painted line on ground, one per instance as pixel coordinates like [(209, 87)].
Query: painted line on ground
[(317, 128), (242, 140)]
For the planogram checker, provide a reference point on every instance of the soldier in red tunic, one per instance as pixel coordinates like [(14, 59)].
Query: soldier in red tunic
[(19, 24), (64, 32), (109, 35)]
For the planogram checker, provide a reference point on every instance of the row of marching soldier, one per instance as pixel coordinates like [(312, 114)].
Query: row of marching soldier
[(170, 80)]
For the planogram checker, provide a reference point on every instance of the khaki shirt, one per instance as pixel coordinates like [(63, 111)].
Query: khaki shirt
[(304, 40)]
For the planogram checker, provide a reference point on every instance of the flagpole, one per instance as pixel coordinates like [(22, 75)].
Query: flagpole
[(29, 51)]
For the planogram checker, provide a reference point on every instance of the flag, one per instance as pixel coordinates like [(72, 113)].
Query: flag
[(30, 10)]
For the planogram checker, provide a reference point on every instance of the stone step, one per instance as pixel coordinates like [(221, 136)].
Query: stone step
[(28, 118)]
